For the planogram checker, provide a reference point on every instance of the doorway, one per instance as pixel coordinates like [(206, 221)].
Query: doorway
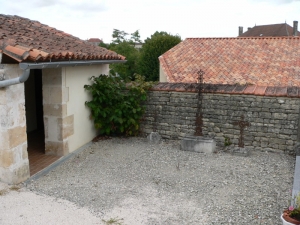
[(35, 123)]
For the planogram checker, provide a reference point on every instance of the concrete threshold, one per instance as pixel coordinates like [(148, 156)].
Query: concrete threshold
[(56, 163)]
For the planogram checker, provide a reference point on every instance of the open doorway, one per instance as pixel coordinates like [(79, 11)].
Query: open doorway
[(35, 123)]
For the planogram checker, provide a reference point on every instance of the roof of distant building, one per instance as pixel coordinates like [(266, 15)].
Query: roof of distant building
[(94, 40), (272, 30)]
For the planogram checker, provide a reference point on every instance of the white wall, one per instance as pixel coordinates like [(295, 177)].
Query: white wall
[(76, 78), (162, 75)]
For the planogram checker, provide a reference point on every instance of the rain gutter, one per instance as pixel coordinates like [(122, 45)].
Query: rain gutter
[(26, 67)]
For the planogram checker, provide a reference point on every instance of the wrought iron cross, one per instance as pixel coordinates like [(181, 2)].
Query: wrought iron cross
[(199, 118), (242, 125)]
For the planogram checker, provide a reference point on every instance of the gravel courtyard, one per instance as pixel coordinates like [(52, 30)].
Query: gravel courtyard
[(134, 182)]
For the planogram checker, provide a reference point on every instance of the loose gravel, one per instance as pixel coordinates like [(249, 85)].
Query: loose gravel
[(134, 182)]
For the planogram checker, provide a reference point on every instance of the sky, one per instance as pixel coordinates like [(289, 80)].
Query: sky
[(186, 18)]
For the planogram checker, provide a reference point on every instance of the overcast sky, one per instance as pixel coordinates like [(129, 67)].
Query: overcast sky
[(188, 18)]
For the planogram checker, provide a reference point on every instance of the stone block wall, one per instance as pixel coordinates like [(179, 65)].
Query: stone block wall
[(14, 164), (274, 120), (58, 125)]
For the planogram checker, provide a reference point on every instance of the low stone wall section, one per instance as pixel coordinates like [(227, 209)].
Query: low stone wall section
[(274, 120)]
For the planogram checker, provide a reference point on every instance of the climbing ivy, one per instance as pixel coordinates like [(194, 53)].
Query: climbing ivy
[(116, 106)]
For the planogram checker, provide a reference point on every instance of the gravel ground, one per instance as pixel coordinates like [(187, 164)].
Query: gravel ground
[(135, 182)]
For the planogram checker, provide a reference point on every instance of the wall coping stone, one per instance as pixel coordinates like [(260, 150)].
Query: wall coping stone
[(234, 89)]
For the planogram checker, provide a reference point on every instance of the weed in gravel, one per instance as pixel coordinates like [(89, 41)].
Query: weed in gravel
[(14, 188), (3, 192), (115, 221)]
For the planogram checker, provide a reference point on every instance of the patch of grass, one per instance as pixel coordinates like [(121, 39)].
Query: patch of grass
[(114, 221)]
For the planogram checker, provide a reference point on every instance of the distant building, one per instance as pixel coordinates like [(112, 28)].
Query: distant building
[(94, 41), (138, 45), (272, 30)]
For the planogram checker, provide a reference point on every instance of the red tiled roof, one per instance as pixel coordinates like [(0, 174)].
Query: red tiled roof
[(264, 61), (272, 30), (236, 89), (26, 40), (94, 40)]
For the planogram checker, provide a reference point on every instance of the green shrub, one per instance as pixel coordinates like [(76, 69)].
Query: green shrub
[(116, 106)]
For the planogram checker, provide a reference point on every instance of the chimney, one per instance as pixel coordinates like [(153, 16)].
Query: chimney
[(240, 31), (295, 28), (249, 28)]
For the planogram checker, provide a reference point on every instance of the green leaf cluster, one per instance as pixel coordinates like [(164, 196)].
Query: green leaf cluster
[(116, 106)]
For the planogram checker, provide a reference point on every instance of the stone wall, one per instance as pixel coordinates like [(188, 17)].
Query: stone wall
[(14, 164), (274, 120)]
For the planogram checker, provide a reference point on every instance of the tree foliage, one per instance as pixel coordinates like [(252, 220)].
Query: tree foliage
[(158, 44), (116, 106), (124, 46), (128, 69)]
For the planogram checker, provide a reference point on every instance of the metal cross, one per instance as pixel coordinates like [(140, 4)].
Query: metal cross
[(242, 125), (199, 121)]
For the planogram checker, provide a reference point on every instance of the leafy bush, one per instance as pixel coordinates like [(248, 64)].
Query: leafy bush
[(116, 106)]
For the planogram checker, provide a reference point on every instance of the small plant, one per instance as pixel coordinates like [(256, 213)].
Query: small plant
[(3, 192), (227, 141), (292, 214), (114, 221), (14, 188)]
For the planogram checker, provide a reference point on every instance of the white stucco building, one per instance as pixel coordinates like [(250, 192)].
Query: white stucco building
[(42, 74)]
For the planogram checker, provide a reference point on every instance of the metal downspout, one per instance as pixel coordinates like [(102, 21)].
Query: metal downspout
[(17, 80)]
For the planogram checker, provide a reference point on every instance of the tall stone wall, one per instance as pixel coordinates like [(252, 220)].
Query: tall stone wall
[(274, 120), (14, 164)]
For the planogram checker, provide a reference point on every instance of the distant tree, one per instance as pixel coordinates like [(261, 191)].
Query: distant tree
[(135, 37), (119, 36), (128, 69), (102, 44), (158, 44), (124, 46)]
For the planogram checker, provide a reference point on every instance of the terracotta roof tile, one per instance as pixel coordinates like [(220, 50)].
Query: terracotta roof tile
[(260, 90), (263, 61), (281, 91), (249, 89), (292, 91), (27, 40)]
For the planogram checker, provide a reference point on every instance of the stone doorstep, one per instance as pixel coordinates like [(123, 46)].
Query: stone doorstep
[(198, 144), (296, 185)]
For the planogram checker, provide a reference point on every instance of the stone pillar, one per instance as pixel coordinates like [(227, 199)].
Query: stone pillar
[(14, 164), (58, 125)]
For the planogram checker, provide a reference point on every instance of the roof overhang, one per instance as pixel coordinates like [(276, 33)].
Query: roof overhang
[(43, 65)]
